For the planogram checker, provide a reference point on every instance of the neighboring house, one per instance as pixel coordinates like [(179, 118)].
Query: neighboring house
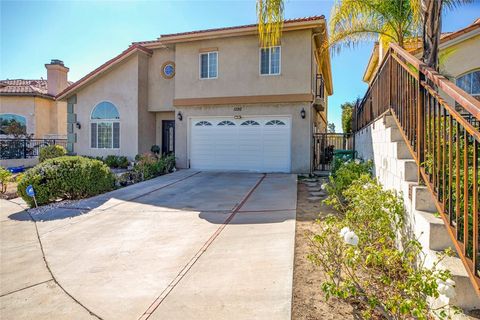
[(213, 97), (459, 58), (29, 106)]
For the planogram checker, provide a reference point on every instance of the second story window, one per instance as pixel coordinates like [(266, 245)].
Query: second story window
[(270, 59), (208, 65)]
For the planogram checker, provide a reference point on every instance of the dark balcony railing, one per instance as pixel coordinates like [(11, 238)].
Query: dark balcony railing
[(11, 148), (441, 125), (319, 87)]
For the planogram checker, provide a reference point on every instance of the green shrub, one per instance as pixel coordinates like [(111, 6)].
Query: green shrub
[(66, 178), (52, 151), (149, 166), (5, 178), (116, 161), (345, 173), (359, 254)]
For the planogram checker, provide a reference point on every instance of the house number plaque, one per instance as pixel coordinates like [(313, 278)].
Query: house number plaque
[(237, 108)]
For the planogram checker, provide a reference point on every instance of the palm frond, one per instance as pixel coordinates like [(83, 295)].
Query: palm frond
[(270, 21)]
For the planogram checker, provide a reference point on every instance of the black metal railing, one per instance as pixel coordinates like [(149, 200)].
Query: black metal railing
[(319, 87), (327, 145), (11, 148)]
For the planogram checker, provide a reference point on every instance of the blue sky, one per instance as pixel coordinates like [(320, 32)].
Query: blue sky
[(85, 34)]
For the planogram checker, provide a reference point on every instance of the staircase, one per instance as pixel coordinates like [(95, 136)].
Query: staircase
[(396, 169), (423, 133)]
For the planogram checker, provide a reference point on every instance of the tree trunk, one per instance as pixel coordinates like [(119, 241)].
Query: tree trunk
[(432, 24)]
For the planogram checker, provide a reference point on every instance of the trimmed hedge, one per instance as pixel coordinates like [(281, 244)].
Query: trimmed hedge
[(52, 151), (68, 177)]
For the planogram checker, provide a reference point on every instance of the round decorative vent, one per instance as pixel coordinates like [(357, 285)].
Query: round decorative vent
[(168, 70)]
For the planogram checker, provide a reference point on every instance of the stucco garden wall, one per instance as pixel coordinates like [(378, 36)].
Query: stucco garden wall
[(301, 141)]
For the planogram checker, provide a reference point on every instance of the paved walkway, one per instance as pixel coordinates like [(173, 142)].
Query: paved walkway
[(187, 245)]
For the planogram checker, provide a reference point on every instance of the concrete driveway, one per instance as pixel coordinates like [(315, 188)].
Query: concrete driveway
[(189, 245)]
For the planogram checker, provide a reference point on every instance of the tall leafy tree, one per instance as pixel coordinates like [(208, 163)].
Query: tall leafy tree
[(347, 115), (354, 21)]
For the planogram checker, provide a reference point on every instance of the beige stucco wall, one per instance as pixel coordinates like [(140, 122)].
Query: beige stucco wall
[(23, 106), (160, 116), (43, 120), (239, 70), (301, 129), (160, 90), (464, 57), (119, 86), (146, 119), (59, 118)]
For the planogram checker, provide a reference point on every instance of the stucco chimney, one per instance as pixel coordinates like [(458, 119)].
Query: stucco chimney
[(56, 76)]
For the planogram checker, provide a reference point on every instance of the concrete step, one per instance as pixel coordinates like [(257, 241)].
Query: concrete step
[(466, 297), (431, 231), (423, 200), (389, 121), (393, 134), (406, 169), (401, 151)]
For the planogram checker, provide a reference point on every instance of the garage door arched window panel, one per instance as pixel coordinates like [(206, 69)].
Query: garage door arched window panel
[(105, 126), (275, 123), (12, 124), (203, 124), (250, 123), (226, 123)]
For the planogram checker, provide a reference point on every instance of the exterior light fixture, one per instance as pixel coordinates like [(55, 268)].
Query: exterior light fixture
[(302, 113), (78, 125), (179, 116)]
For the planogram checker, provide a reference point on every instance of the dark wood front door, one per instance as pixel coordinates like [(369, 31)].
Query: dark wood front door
[(168, 136)]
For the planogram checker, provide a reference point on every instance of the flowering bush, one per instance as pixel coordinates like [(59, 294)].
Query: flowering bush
[(344, 173), (360, 256)]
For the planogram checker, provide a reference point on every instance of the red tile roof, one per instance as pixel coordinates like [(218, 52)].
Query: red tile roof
[(165, 36), (286, 21), (22, 87)]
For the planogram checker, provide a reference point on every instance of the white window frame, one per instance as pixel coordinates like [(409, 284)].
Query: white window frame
[(99, 121), (270, 61), (208, 65)]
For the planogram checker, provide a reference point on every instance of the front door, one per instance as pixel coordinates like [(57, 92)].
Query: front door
[(168, 136)]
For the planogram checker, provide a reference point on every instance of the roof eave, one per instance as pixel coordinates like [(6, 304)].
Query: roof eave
[(27, 94), (240, 31), (102, 69)]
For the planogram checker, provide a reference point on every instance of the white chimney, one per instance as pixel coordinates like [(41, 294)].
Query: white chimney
[(56, 77)]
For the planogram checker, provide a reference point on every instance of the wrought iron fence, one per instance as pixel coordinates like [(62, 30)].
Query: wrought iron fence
[(11, 148), (326, 145), (443, 138)]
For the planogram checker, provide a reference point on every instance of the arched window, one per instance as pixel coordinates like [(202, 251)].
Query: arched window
[(470, 83), (203, 124), (250, 123), (226, 123), (275, 122), (12, 124), (105, 126)]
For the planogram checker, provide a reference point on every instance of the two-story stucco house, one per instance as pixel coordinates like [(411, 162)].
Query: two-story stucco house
[(213, 97), (31, 106)]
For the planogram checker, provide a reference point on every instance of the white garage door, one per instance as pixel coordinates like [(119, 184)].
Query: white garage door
[(252, 144)]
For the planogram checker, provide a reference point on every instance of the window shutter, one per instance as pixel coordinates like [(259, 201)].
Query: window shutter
[(93, 135), (116, 135)]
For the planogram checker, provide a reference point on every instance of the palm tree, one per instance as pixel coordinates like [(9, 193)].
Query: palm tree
[(354, 21)]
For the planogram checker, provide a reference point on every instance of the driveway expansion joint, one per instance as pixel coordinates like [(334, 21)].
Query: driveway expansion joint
[(236, 209), (53, 276), (25, 288)]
